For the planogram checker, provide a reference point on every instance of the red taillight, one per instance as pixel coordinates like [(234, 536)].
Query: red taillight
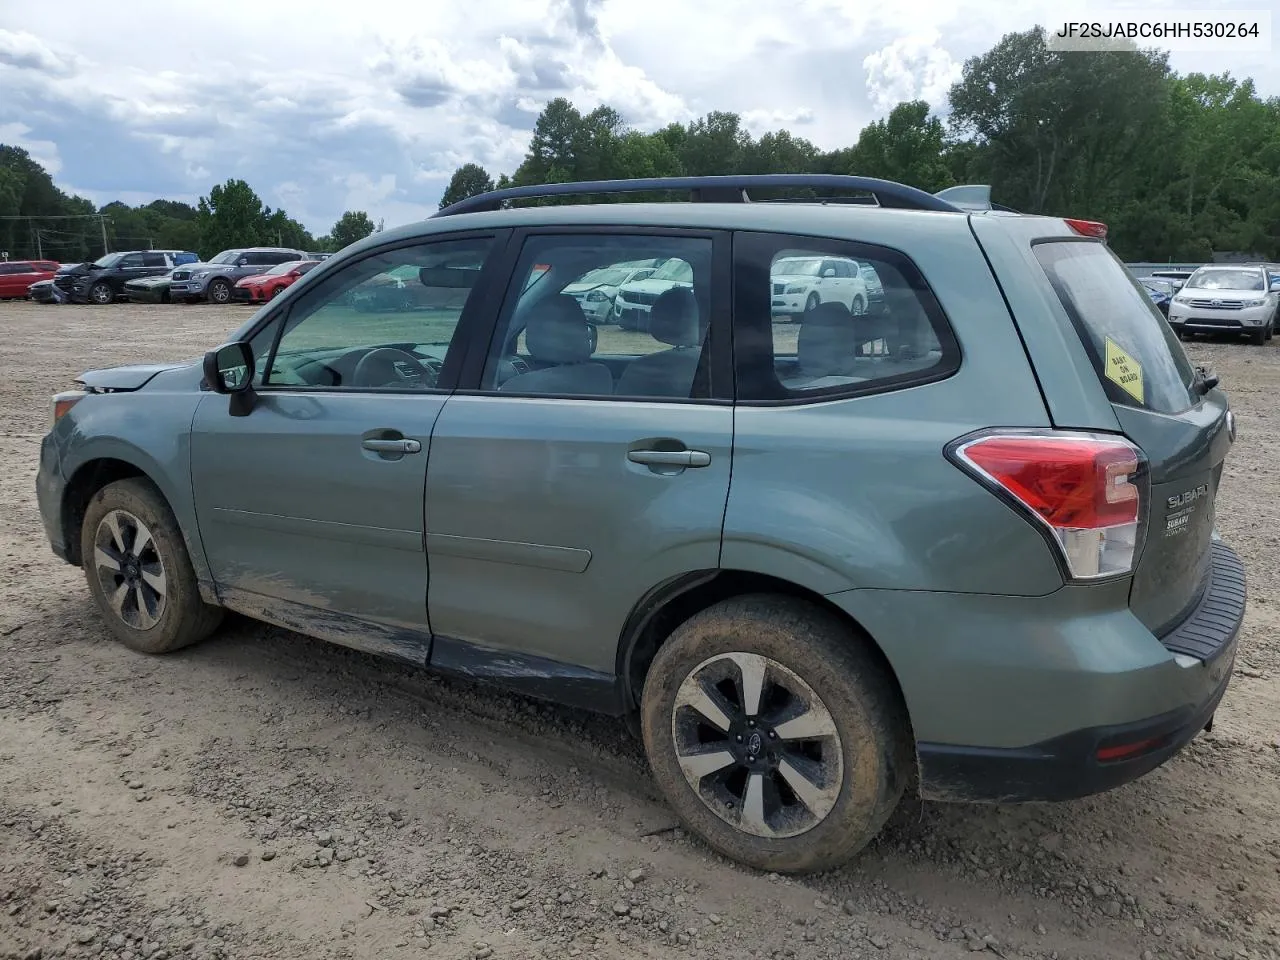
[(1082, 487), (1089, 228)]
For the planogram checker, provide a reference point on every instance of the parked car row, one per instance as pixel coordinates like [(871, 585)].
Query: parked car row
[(624, 293), (246, 274)]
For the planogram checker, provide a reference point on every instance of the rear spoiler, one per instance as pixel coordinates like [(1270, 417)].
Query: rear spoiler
[(977, 196)]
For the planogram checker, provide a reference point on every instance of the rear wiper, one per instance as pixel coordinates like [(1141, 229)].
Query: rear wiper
[(1204, 380)]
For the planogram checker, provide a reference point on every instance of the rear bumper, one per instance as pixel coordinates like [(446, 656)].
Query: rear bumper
[(1093, 759)]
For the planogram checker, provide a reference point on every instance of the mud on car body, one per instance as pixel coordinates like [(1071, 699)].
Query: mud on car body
[(963, 544)]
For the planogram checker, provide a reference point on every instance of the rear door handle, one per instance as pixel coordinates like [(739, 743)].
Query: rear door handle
[(671, 458), (392, 446)]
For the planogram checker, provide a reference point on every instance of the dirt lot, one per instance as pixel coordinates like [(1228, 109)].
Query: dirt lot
[(263, 795)]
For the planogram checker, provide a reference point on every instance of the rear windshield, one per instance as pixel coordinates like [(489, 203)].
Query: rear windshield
[(1139, 360)]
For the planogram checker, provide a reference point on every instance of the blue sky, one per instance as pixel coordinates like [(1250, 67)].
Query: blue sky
[(325, 106)]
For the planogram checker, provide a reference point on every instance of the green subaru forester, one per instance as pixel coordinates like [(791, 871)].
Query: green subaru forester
[(959, 539)]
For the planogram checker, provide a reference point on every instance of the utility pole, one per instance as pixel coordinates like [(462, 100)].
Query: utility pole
[(102, 220), (39, 244)]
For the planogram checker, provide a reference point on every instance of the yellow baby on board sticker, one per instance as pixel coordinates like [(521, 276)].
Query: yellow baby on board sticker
[(1123, 370)]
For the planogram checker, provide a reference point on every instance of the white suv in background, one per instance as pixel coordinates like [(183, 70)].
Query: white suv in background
[(1223, 298), (801, 283)]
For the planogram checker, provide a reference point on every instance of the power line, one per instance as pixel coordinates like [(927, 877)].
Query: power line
[(56, 216)]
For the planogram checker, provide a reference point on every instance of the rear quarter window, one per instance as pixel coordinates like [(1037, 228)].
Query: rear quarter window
[(1139, 361)]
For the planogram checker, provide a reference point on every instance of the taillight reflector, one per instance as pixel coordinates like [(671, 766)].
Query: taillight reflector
[(1128, 751), (1082, 487), (1089, 228)]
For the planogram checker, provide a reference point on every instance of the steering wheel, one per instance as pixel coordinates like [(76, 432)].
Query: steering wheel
[(392, 367)]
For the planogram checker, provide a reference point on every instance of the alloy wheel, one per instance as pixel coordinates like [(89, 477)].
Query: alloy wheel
[(130, 569), (757, 745)]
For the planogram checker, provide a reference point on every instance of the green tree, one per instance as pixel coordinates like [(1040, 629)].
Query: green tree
[(469, 180), (1062, 132), (353, 225), (714, 144), (907, 146), (232, 215)]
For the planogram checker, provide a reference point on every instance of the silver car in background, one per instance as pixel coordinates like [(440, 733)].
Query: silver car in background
[(1223, 298)]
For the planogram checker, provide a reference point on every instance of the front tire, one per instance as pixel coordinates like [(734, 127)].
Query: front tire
[(775, 734), (219, 292), (101, 293), (139, 573)]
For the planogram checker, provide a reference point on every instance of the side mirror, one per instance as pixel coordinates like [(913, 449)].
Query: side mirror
[(593, 336), (229, 370), (242, 262), (829, 272)]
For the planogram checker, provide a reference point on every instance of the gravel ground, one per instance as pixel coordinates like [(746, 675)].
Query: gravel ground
[(264, 795)]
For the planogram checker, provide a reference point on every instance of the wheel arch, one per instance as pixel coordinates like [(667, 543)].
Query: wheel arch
[(86, 480), (668, 604)]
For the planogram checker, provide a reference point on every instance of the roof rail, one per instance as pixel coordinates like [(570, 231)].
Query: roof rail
[(719, 189)]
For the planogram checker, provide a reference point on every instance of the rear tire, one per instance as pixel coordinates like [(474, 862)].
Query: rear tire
[(136, 564), (817, 752)]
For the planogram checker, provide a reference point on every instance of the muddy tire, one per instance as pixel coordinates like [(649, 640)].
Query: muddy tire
[(775, 734), (136, 564)]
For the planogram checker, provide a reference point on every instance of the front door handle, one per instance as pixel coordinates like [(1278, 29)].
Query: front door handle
[(670, 458), (392, 446)]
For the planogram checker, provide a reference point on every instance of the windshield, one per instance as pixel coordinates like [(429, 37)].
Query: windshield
[(610, 276), (226, 256), (1222, 279), (282, 268), (674, 269), (798, 268), (109, 260)]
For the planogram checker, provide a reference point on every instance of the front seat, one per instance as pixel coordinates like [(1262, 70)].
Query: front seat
[(674, 319), (558, 333)]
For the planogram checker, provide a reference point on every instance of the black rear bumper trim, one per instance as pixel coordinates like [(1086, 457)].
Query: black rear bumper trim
[(1215, 621)]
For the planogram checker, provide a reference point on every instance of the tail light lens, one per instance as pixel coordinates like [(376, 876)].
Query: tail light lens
[(1086, 491)]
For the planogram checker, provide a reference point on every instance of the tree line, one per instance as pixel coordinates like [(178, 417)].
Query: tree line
[(37, 219), (1180, 167)]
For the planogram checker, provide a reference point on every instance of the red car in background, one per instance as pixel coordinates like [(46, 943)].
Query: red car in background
[(262, 287), (17, 276)]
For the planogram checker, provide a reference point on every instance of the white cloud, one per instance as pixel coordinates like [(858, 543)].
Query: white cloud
[(26, 51), (44, 152), (910, 68)]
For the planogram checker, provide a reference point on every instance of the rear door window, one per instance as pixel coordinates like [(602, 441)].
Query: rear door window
[(1134, 351)]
